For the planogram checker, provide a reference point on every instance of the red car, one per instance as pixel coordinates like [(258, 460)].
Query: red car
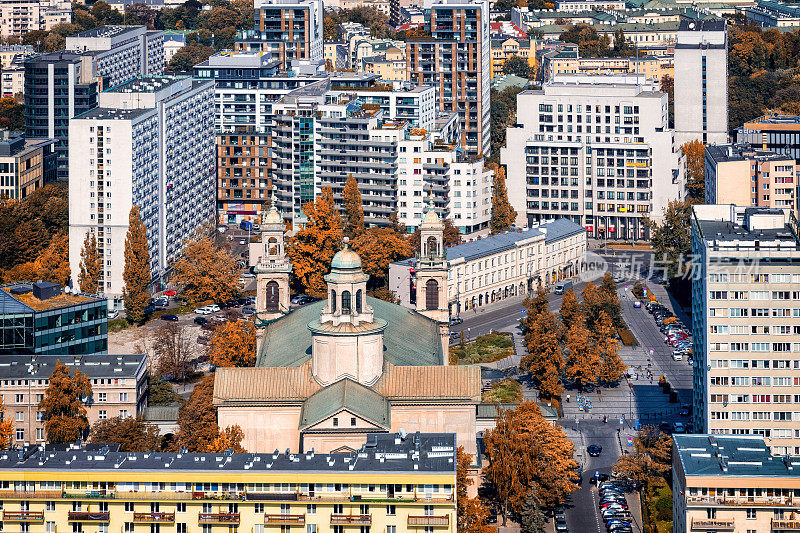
[(171, 292)]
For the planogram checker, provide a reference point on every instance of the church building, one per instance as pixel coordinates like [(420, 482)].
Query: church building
[(330, 372)]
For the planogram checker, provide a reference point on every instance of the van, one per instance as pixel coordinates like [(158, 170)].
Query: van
[(677, 356), (564, 286)]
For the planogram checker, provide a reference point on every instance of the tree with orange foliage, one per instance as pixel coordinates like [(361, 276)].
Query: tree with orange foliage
[(543, 358), (91, 265), (695, 154), (503, 215), (604, 338), (136, 273), (197, 418), (313, 246), (583, 361), (52, 264), (205, 272), (229, 438), (63, 405), (6, 427), (471, 514), (234, 344), (524, 451), (353, 209), (378, 248)]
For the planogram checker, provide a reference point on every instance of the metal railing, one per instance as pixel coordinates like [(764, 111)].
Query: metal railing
[(702, 524), (443, 520), (285, 519), (154, 518), (23, 516), (351, 519), (218, 518), (87, 516)]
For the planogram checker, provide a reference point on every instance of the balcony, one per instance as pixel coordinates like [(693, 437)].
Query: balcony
[(418, 521), (218, 518), (153, 518), (351, 520), (790, 525), (747, 501), (713, 524), (23, 516), (285, 519), (86, 516)]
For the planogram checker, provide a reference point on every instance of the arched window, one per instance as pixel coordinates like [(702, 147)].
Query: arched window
[(432, 247), (333, 301), (358, 301), (272, 297), (272, 246), (346, 302), (431, 294)]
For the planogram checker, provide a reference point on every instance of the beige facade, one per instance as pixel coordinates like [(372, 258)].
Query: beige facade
[(729, 483), (742, 175), (119, 388), (651, 67), (390, 67), (504, 49)]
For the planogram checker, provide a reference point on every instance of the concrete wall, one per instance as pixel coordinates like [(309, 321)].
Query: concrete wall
[(266, 429)]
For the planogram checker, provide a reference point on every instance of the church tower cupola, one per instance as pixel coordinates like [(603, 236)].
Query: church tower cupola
[(272, 268)]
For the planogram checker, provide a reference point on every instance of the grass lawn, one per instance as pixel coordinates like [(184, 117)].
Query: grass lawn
[(506, 391), (118, 324), (484, 349)]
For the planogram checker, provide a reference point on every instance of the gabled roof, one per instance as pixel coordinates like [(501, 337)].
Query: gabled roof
[(244, 385), (410, 338), (349, 396), (459, 383)]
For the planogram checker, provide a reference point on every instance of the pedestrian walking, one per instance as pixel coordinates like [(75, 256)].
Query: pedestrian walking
[(567, 398)]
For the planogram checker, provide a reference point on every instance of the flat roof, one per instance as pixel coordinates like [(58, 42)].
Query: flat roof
[(11, 301), (92, 365), (729, 225), (109, 113), (414, 452), (731, 456), (145, 84), (721, 153), (108, 31)]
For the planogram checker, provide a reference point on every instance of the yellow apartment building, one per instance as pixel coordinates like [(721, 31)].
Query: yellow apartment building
[(506, 48), (394, 483)]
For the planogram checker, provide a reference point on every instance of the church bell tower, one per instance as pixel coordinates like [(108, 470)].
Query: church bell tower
[(432, 274), (272, 269)]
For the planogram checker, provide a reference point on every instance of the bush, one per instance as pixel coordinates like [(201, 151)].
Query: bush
[(626, 337), (505, 391), (484, 349), (118, 324)]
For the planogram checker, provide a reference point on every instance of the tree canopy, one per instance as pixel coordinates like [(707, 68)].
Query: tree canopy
[(132, 434), (136, 273), (233, 344), (205, 272), (63, 406)]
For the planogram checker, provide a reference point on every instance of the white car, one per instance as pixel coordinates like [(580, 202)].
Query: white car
[(242, 241), (213, 308), (203, 310)]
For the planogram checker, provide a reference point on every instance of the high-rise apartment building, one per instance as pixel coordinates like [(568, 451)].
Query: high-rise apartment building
[(18, 17), (150, 144), (595, 149), (320, 139), (121, 52), (745, 309), (288, 29), (701, 82), (61, 85), (456, 60), (742, 175), (24, 165)]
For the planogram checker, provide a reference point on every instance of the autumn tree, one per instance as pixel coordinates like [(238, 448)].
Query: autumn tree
[(471, 514), (570, 308), (378, 248), (6, 427), (452, 236), (604, 338), (233, 344), (229, 438), (531, 518), (651, 459), (136, 273), (609, 301), (159, 391), (172, 350), (671, 239), (525, 450), (197, 423), (91, 265), (503, 215), (353, 209), (313, 246), (695, 154), (63, 405), (205, 272), (543, 358), (132, 434), (52, 264), (583, 361)]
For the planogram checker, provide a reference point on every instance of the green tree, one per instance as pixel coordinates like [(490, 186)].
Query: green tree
[(63, 405), (132, 434), (532, 519), (159, 391), (136, 273), (91, 265), (353, 209), (313, 246), (503, 215), (519, 67), (671, 239)]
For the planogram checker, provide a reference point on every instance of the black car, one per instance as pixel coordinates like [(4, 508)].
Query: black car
[(596, 480), (594, 450), (200, 320), (149, 309), (169, 318), (665, 427), (685, 411), (456, 320)]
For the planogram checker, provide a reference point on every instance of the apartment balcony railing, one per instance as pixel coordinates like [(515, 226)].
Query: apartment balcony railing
[(351, 520), (416, 521), (218, 518), (712, 524), (748, 501), (87, 516), (154, 518), (285, 519), (23, 516), (784, 525)]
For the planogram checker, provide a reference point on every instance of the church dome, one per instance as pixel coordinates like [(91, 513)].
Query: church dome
[(272, 216), (346, 259), (431, 218)]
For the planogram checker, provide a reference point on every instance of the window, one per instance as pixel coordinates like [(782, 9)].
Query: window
[(311, 528), (391, 510), (49, 506), (19, 398), (391, 529), (346, 302), (50, 527), (352, 421), (101, 396), (102, 528), (123, 396), (751, 514), (335, 422), (258, 508), (128, 507), (20, 434), (102, 414), (181, 507), (180, 527), (311, 508)]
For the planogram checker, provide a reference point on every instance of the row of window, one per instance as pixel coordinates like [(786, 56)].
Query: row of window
[(757, 312), (754, 398), (777, 416), (754, 295)]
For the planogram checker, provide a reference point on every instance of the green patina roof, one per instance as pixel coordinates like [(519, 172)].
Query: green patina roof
[(349, 395), (410, 339), (346, 258)]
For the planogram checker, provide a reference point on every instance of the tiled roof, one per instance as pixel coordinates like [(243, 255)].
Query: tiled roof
[(349, 395), (460, 382), (409, 338), (162, 413), (291, 384)]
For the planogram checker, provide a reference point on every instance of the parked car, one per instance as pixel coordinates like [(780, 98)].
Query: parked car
[(456, 320), (302, 299), (169, 318), (685, 410), (170, 292), (665, 427), (113, 314), (200, 320), (248, 310), (214, 308), (678, 427), (203, 310), (149, 309), (637, 304)]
